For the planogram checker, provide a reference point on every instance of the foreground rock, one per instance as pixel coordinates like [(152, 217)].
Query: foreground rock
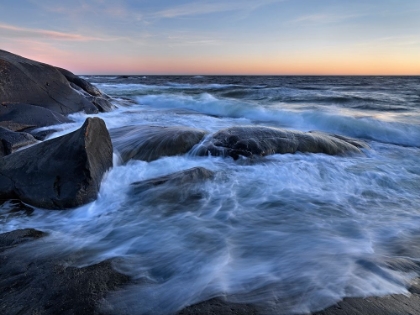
[(29, 82), (260, 141), (148, 143), (61, 173), (35, 280)]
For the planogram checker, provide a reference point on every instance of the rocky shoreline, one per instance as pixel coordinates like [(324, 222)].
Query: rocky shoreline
[(66, 172)]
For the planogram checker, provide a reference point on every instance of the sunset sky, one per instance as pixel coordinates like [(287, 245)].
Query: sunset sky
[(216, 37)]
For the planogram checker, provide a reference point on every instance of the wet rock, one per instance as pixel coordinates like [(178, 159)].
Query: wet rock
[(26, 81), (180, 191), (18, 117), (61, 173), (218, 306), (36, 280), (252, 141), (189, 176), (148, 143), (11, 141), (101, 101), (16, 237)]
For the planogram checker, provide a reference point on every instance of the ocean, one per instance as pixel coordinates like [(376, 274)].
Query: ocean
[(289, 233)]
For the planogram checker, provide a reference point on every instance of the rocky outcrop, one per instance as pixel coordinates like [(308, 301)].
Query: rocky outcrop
[(252, 141), (148, 143), (29, 82), (61, 173)]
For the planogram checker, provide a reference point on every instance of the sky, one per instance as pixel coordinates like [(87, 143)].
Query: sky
[(245, 37)]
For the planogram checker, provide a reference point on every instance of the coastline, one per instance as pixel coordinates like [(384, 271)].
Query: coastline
[(16, 290)]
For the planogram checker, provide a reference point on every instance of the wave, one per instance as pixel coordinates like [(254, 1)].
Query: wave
[(333, 120)]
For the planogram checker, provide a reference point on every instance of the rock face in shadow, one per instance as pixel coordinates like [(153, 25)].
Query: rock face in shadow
[(61, 173), (29, 82), (19, 117), (10, 141), (44, 284), (148, 143), (252, 141)]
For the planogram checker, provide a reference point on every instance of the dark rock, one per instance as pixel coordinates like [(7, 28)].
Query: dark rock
[(61, 173), (18, 117), (252, 141), (180, 178), (218, 306), (101, 101), (177, 192), (30, 82), (36, 280), (149, 143), (16, 237), (10, 141)]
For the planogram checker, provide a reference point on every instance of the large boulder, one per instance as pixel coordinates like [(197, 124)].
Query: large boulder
[(260, 141), (26, 81), (61, 173), (148, 143)]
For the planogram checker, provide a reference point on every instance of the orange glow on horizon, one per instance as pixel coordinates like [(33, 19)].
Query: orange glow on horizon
[(298, 65)]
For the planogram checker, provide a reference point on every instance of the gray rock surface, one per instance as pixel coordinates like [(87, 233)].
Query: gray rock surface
[(61, 173), (252, 141), (30, 82), (148, 143), (18, 117)]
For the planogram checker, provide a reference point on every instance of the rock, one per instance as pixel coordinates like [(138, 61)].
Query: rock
[(189, 176), (149, 143), (217, 306), (101, 101), (30, 82), (18, 117), (37, 279), (61, 173), (10, 141), (252, 141), (180, 191), (16, 237)]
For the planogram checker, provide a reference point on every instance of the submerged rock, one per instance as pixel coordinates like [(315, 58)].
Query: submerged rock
[(30, 82), (180, 178), (172, 193), (10, 141), (61, 173), (148, 143), (251, 141)]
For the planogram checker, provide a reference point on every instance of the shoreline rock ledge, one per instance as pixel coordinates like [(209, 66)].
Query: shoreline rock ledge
[(60, 173)]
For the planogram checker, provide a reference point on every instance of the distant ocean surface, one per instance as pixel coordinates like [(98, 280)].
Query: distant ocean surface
[(290, 233)]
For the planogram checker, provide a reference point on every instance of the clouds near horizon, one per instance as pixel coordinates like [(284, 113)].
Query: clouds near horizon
[(216, 37)]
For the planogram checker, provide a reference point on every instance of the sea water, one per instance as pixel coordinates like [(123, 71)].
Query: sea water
[(289, 233)]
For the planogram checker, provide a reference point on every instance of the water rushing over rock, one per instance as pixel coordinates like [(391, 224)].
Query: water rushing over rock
[(277, 234)]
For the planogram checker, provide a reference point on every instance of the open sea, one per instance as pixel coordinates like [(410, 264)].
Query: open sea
[(289, 233)]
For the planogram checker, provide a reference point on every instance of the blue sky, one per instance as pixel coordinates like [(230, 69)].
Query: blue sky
[(216, 37)]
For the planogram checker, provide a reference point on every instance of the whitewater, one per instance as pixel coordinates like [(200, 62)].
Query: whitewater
[(290, 233)]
